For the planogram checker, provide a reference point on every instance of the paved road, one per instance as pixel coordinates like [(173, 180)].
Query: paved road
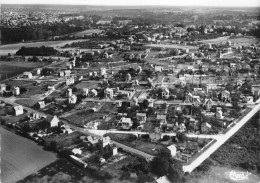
[(220, 141)]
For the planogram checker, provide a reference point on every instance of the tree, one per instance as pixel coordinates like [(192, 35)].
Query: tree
[(160, 166), (145, 103), (185, 111)]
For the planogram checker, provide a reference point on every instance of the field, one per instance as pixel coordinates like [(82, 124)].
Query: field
[(11, 69), (13, 48), (172, 46), (87, 32), (243, 41), (21, 157)]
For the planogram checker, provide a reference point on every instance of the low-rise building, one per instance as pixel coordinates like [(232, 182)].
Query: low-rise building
[(27, 75), (109, 93), (125, 123), (72, 99), (141, 117), (18, 110), (52, 120)]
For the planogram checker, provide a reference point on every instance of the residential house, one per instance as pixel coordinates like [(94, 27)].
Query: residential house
[(67, 73), (205, 127), (93, 93), (51, 88), (76, 151), (125, 123), (248, 99), (208, 103), (27, 75), (70, 80), (161, 119), (219, 113), (141, 117), (52, 120), (158, 68), (40, 104), (225, 96), (16, 91), (165, 93), (172, 149), (72, 99), (69, 92), (85, 91), (182, 127), (255, 90), (106, 141), (2, 88), (196, 101), (18, 110), (109, 93), (102, 71)]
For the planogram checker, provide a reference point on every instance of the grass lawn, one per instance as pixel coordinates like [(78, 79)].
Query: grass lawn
[(26, 102), (85, 117)]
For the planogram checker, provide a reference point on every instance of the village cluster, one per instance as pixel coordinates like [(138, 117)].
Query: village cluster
[(165, 92)]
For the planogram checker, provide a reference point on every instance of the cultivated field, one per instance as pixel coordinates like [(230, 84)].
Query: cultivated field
[(88, 32), (11, 69), (13, 48), (21, 157), (218, 40), (172, 46)]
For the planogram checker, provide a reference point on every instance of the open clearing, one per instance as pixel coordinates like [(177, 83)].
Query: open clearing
[(172, 46), (243, 41), (13, 48), (88, 32), (21, 157), (11, 69)]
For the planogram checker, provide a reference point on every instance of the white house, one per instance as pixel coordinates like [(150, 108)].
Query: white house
[(70, 81), (158, 68), (40, 104), (16, 90), (69, 92), (163, 179), (109, 93), (51, 88), (248, 99), (52, 120), (173, 150), (106, 141), (93, 93), (165, 93), (27, 75), (102, 71), (219, 113), (125, 123), (76, 151), (2, 88), (72, 99), (18, 110), (85, 91)]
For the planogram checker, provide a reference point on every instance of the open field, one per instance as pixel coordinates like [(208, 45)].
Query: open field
[(11, 69), (88, 32), (13, 48), (21, 157), (172, 46), (243, 41)]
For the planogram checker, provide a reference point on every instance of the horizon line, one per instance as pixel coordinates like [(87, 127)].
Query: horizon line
[(219, 6)]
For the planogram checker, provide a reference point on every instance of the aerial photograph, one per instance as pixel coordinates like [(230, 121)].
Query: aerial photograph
[(130, 91)]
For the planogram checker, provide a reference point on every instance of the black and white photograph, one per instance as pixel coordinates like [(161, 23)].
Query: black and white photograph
[(130, 91)]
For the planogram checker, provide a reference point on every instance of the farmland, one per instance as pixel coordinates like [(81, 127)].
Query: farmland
[(87, 32), (172, 46), (243, 41), (11, 69), (13, 48), (21, 157)]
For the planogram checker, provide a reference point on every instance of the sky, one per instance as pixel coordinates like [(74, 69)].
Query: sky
[(229, 3)]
